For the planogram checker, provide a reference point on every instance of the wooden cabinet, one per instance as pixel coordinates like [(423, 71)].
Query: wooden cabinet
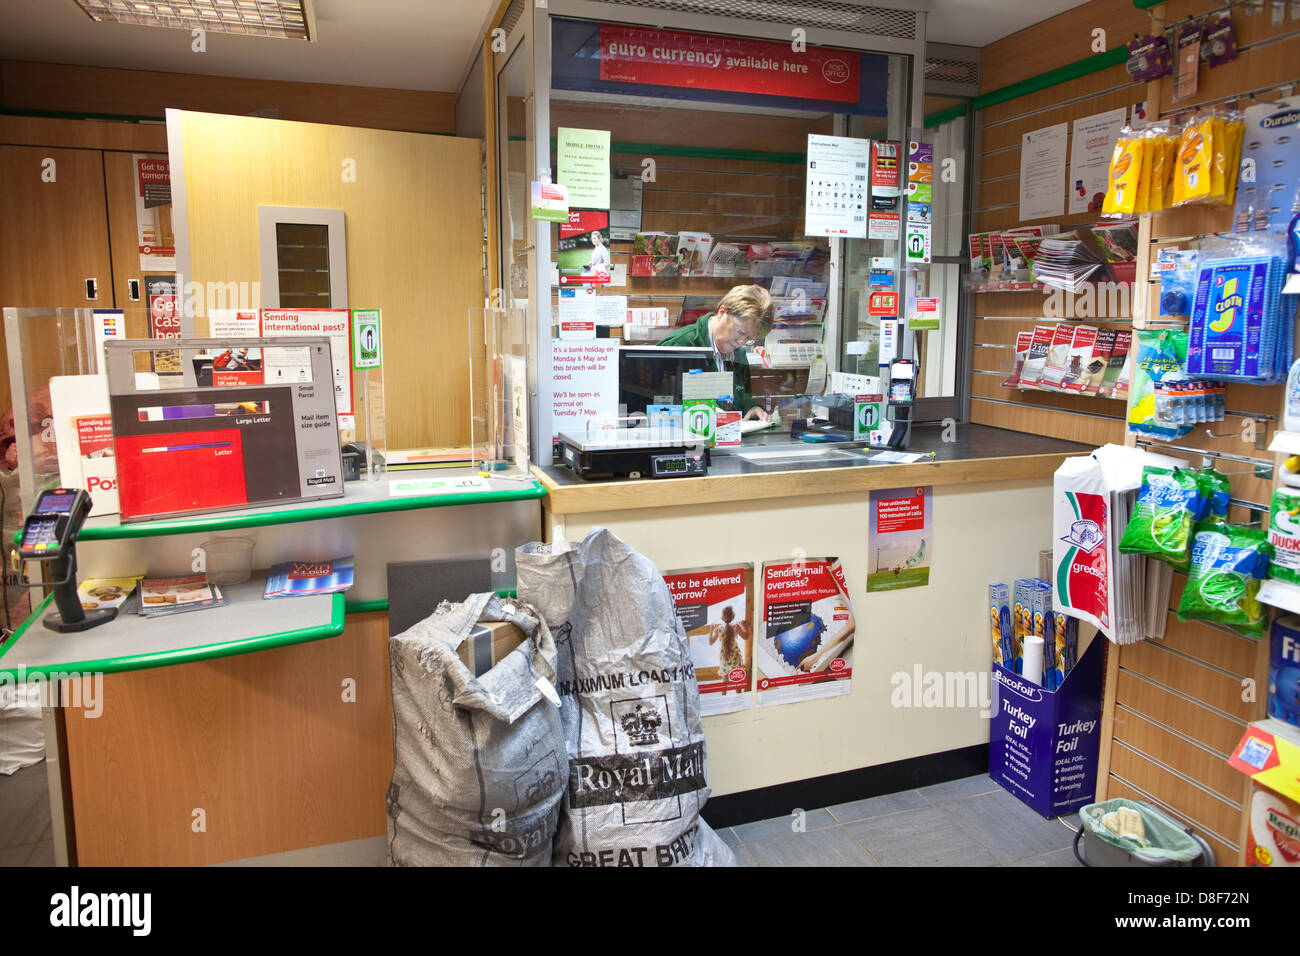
[(56, 236), (69, 216)]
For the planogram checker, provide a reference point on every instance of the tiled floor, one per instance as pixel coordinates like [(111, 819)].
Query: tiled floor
[(25, 837), (967, 822)]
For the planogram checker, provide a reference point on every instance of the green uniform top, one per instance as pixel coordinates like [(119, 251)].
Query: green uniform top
[(697, 336)]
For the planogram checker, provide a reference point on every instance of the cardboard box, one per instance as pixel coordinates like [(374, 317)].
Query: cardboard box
[(488, 643), (1043, 745)]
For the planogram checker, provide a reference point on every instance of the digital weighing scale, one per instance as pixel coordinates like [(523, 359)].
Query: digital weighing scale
[(651, 457)]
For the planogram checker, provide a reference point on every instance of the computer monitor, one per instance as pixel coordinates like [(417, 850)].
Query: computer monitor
[(652, 375)]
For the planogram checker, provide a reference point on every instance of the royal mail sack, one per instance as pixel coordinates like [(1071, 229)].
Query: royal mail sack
[(630, 707)]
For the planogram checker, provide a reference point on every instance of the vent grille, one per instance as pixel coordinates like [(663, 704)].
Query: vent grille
[(944, 70), (821, 14), (513, 13)]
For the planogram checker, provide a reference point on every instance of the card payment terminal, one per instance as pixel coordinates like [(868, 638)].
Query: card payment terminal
[(902, 395), (50, 534)]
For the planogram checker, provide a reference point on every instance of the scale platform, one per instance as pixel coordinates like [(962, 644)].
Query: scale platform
[(650, 457)]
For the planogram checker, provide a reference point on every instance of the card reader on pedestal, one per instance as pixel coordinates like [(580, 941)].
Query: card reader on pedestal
[(50, 534), (633, 457), (902, 396)]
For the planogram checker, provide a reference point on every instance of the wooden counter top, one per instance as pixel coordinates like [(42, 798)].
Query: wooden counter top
[(979, 454)]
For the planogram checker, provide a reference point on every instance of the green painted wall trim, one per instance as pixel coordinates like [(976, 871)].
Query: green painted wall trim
[(1062, 74), (207, 652), (1147, 4), (945, 116)]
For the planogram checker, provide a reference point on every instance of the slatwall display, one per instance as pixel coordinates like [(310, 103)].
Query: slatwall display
[(996, 317), (1176, 708)]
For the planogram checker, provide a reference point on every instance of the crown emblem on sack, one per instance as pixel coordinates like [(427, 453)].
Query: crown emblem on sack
[(642, 725)]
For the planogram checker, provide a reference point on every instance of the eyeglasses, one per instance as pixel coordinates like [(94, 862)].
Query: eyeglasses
[(749, 335)]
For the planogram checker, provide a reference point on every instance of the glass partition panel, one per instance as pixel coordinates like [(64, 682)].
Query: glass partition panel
[(700, 280)]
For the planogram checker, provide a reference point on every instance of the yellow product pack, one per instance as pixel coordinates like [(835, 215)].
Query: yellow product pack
[(1235, 131), (1218, 160), (1193, 176), (1163, 147), (1143, 202), (1125, 172)]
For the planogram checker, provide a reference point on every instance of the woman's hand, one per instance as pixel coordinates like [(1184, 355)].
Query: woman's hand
[(758, 412)]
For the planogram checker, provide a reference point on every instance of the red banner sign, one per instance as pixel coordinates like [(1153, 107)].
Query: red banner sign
[(706, 62)]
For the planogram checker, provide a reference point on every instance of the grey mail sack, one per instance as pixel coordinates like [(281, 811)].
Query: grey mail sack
[(631, 708), (479, 762)]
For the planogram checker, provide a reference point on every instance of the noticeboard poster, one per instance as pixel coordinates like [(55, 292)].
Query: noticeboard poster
[(901, 535), (334, 324), (716, 608), (804, 649)]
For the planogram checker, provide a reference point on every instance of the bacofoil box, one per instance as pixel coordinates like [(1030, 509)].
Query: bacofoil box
[(1043, 744)]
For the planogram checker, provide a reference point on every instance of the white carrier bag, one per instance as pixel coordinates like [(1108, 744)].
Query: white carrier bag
[(630, 705), (479, 762)]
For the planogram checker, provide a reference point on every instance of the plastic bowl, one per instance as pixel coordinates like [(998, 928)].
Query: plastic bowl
[(228, 560)]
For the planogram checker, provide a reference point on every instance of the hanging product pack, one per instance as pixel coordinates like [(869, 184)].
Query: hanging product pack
[(631, 708), (1160, 354), (1228, 565), (1168, 504), (1241, 327), (479, 762)]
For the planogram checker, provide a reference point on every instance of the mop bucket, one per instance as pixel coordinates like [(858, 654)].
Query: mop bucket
[(1168, 843)]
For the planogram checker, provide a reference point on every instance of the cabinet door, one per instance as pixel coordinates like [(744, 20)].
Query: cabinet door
[(120, 183), (55, 232)]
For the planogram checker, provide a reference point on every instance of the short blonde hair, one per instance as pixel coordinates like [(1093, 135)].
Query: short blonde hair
[(750, 303)]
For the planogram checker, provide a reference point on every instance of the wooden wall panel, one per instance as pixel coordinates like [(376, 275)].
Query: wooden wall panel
[(1062, 39), (1210, 727), (1085, 429), (86, 89), (1202, 764), (231, 737), (414, 238), (83, 134)]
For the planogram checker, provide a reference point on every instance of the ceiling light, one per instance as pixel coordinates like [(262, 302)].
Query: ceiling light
[(264, 18)]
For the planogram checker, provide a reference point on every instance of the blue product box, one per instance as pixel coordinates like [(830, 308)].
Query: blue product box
[(1043, 744), (1284, 670)]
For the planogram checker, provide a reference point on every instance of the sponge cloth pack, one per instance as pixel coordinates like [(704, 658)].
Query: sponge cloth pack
[(1240, 329)]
